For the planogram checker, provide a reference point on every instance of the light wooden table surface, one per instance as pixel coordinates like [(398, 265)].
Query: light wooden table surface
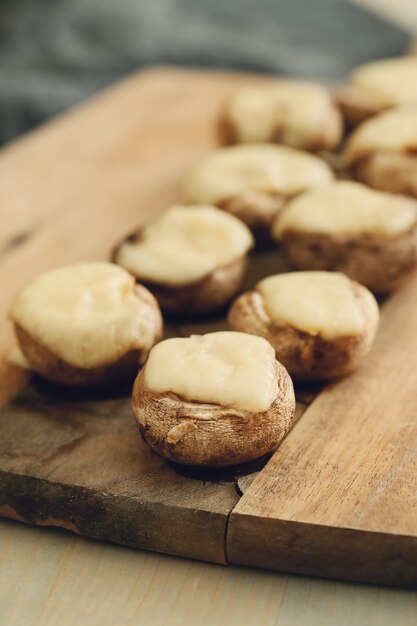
[(49, 577)]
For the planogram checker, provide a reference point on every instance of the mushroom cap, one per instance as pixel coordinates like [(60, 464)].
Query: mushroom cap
[(308, 356), (378, 263), (193, 433), (54, 368), (295, 113), (210, 294)]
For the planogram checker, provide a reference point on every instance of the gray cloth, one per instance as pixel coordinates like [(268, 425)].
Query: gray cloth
[(54, 53)]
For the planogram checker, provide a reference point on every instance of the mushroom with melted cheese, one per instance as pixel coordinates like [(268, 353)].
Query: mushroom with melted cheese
[(368, 235), (321, 324), (377, 86), (86, 324), (215, 399), (193, 259), (254, 182), (382, 152), (299, 114)]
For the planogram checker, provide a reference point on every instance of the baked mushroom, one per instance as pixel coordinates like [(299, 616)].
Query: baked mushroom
[(216, 399), (368, 235), (320, 324), (298, 114), (382, 152), (86, 324), (253, 182), (193, 259), (377, 86)]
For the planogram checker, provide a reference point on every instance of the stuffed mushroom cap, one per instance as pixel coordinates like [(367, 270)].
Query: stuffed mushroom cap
[(86, 323), (193, 258), (321, 324), (368, 235), (299, 114), (254, 181), (377, 86), (392, 81), (394, 131), (230, 171), (216, 399)]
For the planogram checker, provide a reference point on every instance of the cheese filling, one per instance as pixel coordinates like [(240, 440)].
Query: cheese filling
[(318, 303), (347, 208), (298, 109), (86, 314), (393, 80), (185, 244), (227, 368), (394, 131), (228, 172)]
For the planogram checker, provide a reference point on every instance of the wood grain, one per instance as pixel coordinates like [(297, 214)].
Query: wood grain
[(339, 498), (82, 465), (72, 189), (50, 577), (79, 463), (81, 184)]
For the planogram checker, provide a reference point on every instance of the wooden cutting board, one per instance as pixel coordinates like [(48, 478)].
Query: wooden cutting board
[(338, 498)]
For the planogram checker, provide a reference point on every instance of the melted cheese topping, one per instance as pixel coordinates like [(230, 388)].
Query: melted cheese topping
[(347, 208), (318, 303), (228, 172), (86, 314), (394, 130), (299, 110), (394, 81), (185, 244), (227, 368)]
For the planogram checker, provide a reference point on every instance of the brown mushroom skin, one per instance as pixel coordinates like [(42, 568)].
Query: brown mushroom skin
[(257, 209), (357, 105), (210, 294), (382, 264), (395, 172), (211, 435), (55, 369), (306, 356), (327, 140)]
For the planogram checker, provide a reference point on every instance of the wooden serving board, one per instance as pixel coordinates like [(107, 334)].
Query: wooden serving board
[(338, 498)]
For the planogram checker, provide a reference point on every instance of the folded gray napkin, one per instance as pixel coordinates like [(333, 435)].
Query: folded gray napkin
[(54, 53)]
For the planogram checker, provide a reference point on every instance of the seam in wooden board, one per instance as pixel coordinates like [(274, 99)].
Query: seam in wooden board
[(240, 493), (84, 490), (307, 406)]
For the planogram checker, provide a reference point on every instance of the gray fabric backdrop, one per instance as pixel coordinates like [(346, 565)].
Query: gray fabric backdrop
[(54, 53)]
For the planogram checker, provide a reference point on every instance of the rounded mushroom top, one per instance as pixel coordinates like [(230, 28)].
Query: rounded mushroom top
[(229, 172), (87, 314), (224, 368), (318, 303), (392, 81), (295, 112), (393, 131), (185, 244), (347, 208)]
